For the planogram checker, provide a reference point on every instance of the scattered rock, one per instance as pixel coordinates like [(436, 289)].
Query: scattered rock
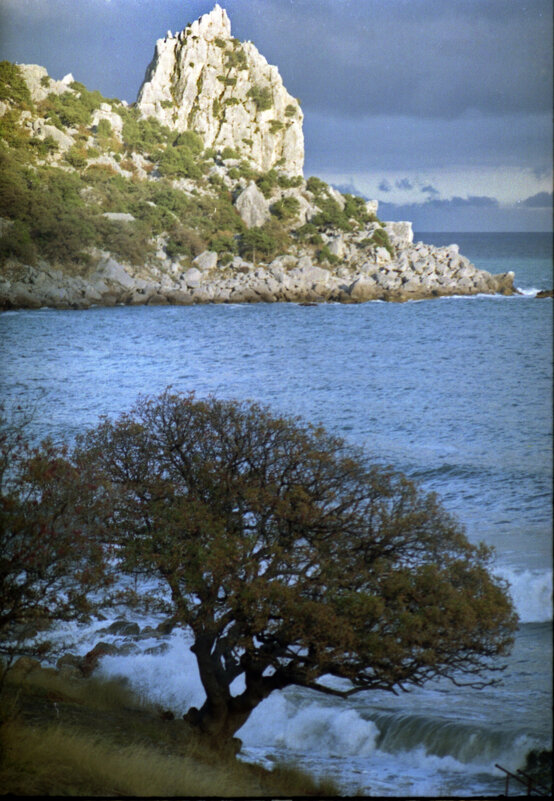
[(124, 628), (119, 216), (89, 662), (206, 261), (252, 206)]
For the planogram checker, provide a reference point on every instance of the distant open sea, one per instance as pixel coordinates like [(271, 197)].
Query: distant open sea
[(455, 392)]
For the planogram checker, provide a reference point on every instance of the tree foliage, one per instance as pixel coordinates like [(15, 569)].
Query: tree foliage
[(289, 558), (49, 562)]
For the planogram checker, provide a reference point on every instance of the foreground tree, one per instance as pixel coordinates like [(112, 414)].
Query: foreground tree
[(290, 558), (50, 564)]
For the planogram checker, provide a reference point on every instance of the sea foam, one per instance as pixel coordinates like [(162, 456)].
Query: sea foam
[(531, 593)]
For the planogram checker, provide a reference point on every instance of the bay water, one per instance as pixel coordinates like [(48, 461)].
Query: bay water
[(455, 392)]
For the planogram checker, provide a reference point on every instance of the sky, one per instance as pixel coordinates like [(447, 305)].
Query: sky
[(439, 109)]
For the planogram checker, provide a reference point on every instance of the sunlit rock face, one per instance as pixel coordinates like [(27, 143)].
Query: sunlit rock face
[(202, 79)]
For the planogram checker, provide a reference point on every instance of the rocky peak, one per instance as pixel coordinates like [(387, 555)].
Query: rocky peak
[(204, 80)]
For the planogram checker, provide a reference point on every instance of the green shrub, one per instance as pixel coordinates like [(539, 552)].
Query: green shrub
[(130, 242), (191, 140), (267, 182), (237, 60), (16, 242), (325, 255), (77, 157), (275, 126), (316, 185), (266, 242), (225, 258), (223, 242), (13, 133), (308, 233), (71, 109), (104, 129), (331, 215), (287, 183), (380, 239), (247, 171), (230, 153), (261, 95), (355, 207), (143, 135), (178, 162), (286, 208), (13, 86), (43, 147), (184, 241), (290, 110)]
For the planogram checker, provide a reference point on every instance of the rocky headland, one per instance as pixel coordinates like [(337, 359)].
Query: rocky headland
[(195, 194)]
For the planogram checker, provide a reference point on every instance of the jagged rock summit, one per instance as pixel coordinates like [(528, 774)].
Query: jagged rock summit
[(202, 79)]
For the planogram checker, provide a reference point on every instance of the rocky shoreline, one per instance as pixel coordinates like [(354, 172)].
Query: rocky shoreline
[(418, 271)]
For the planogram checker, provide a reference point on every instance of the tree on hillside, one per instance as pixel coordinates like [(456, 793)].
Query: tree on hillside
[(49, 563), (289, 558)]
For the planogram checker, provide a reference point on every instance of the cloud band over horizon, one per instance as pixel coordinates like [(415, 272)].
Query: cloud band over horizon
[(444, 101)]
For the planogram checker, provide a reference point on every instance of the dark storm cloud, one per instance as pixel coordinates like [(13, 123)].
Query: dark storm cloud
[(106, 44), (429, 58), (467, 214), (404, 183), (541, 200), (386, 85), (477, 201), (407, 143), (430, 190)]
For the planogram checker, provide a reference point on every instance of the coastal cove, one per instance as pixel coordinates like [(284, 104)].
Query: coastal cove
[(194, 194), (455, 392), (276, 472)]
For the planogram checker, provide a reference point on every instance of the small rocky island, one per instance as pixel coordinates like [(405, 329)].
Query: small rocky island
[(194, 194)]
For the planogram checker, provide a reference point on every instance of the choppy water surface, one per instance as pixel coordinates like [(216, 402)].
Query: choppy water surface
[(456, 392)]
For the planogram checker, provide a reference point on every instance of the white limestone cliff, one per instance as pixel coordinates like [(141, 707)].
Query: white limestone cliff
[(202, 79)]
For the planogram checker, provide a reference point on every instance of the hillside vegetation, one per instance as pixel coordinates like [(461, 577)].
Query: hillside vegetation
[(69, 159), (87, 737)]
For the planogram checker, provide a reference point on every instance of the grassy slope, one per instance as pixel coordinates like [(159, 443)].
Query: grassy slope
[(62, 736)]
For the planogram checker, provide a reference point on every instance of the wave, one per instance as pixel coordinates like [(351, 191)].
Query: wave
[(169, 678), (463, 742), (449, 470), (327, 730), (331, 732), (531, 592), (531, 292)]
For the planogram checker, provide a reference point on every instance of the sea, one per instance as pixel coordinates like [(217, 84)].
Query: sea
[(455, 392)]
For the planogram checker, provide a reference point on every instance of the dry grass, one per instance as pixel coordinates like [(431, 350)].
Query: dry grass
[(55, 760), (88, 737), (93, 692)]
